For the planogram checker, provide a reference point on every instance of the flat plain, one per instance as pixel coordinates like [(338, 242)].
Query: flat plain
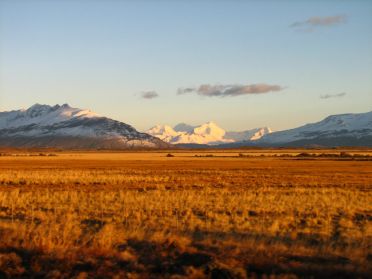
[(186, 214)]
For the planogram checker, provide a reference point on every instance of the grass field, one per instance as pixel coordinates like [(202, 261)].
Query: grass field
[(198, 214)]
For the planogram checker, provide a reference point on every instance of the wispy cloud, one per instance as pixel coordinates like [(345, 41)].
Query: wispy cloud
[(233, 90), (328, 96), (309, 24), (149, 94)]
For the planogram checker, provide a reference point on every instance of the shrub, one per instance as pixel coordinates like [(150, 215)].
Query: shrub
[(304, 154), (345, 154)]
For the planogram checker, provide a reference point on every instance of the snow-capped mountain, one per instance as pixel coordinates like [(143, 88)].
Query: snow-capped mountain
[(163, 132), (353, 129), (183, 127), (209, 133), (253, 134), (67, 127)]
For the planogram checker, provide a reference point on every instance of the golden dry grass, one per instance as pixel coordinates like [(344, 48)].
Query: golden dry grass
[(139, 215)]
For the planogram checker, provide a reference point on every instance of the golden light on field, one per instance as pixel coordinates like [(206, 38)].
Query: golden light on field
[(214, 214)]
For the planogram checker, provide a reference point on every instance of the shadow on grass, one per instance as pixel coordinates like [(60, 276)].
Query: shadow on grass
[(162, 260)]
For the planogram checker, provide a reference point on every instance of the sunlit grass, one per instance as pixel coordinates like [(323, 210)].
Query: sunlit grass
[(244, 215)]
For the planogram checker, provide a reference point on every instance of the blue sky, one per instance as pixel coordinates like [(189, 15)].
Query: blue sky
[(103, 55)]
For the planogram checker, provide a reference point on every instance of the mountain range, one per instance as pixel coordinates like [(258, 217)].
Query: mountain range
[(208, 133), (62, 126), (351, 129), (66, 127)]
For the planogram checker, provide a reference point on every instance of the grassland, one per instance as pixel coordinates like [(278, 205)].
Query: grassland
[(214, 215)]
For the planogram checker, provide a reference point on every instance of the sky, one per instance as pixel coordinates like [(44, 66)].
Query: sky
[(242, 64)]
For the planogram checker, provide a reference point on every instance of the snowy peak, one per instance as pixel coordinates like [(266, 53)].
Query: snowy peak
[(163, 132), (160, 129), (38, 110), (260, 132), (42, 115), (183, 127), (349, 121), (249, 135), (65, 126), (210, 129), (207, 133), (342, 127)]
